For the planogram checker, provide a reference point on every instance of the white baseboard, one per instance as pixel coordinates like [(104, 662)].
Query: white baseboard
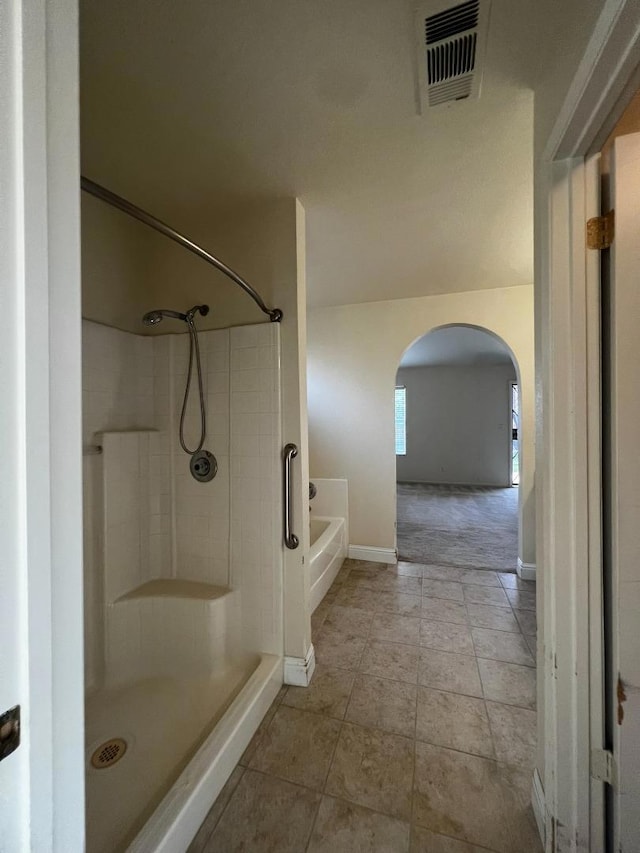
[(298, 671), (539, 806), (526, 571), (372, 554)]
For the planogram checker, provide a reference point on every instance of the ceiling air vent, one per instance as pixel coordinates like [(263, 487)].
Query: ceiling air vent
[(451, 46)]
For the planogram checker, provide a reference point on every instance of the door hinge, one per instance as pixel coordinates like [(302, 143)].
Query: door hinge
[(601, 231), (603, 766)]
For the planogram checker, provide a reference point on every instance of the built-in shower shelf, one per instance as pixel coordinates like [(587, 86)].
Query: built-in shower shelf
[(175, 588)]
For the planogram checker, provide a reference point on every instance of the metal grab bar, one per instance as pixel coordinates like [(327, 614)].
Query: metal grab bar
[(290, 540), (275, 314)]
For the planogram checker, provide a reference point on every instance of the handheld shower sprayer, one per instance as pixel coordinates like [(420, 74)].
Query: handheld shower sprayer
[(198, 465), (152, 318)]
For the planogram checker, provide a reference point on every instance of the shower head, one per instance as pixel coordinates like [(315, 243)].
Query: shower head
[(152, 318)]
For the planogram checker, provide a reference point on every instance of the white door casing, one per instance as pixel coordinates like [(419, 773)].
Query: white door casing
[(14, 770), (624, 457), (41, 637), (594, 810), (564, 466), (569, 802)]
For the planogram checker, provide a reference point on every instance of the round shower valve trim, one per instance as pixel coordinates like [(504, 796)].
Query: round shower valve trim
[(204, 466)]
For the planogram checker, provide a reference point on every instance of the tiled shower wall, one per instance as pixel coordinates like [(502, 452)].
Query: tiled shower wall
[(256, 484), (117, 394), (187, 529), (201, 511)]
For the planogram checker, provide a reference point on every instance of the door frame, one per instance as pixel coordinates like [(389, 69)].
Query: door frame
[(568, 801), (42, 803)]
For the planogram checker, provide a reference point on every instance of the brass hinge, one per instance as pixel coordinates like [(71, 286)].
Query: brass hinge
[(603, 766), (600, 231)]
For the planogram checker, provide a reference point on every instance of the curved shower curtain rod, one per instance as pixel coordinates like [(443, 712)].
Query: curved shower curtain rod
[(275, 314)]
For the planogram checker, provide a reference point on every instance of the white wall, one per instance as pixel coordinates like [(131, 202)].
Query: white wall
[(128, 268), (354, 353), (290, 294), (458, 425)]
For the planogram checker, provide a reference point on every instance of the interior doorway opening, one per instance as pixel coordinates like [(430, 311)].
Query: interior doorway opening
[(457, 444)]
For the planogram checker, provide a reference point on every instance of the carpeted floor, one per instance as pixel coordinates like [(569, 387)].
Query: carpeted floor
[(471, 526)]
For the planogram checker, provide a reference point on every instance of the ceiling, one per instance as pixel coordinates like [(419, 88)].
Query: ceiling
[(456, 346), (192, 108)]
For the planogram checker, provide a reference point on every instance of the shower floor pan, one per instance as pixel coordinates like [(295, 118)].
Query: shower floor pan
[(163, 721), (179, 704)]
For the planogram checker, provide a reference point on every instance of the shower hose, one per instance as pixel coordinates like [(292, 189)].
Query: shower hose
[(194, 347)]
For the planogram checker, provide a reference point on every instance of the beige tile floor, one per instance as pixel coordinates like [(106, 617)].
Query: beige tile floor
[(416, 735)]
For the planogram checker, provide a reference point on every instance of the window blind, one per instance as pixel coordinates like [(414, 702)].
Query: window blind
[(401, 420)]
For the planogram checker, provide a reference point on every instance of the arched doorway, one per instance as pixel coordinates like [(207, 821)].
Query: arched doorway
[(457, 450)]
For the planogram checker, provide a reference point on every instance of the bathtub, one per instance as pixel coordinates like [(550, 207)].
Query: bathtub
[(328, 550), (174, 823)]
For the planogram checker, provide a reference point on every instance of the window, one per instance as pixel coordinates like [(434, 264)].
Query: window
[(515, 436), (401, 421)]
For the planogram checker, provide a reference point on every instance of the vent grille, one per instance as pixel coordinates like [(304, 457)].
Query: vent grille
[(451, 59), (451, 44), (451, 22), (454, 90)]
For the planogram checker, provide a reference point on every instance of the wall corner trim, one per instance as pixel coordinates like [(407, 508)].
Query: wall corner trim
[(298, 671), (539, 806), (372, 554), (526, 571)]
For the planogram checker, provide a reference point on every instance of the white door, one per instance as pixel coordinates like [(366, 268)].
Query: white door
[(41, 782), (621, 402), (14, 766)]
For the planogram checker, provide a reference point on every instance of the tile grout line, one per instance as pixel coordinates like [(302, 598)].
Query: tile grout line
[(313, 822), (357, 673), (415, 747), (484, 701), (360, 660), (333, 754), (224, 808), (323, 790), (375, 728), (295, 785)]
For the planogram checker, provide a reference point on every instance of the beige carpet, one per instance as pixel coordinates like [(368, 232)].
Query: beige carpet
[(471, 526)]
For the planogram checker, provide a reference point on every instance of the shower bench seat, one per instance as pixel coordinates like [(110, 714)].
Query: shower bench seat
[(169, 626), (176, 588)]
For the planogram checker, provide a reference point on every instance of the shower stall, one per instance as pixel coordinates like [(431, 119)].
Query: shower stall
[(183, 567)]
